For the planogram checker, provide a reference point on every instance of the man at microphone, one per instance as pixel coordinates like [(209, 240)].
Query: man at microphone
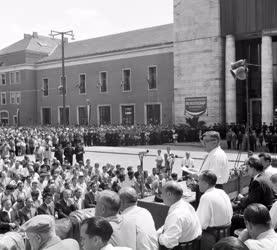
[(216, 159)]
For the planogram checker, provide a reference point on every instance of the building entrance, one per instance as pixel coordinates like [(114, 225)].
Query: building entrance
[(255, 112)]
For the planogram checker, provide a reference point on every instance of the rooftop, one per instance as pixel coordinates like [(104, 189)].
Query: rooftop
[(153, 36), (33, 43)]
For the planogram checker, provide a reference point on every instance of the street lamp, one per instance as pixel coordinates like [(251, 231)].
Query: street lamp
[(62, 87), (239, 70)]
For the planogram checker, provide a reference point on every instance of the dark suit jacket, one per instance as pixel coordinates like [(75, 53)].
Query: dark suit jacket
[(89, 200), (25, 214), (260, 191), (5, 220), (64, 210), (44, 209)]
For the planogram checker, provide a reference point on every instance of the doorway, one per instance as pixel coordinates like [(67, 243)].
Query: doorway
[(255, 112)]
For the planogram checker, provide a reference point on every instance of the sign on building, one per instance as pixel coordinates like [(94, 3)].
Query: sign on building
[(195, 106)]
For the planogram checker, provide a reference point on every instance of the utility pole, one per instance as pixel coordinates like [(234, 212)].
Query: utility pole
[(63, 87)]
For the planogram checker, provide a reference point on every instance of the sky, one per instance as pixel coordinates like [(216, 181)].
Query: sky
[(87, 18)]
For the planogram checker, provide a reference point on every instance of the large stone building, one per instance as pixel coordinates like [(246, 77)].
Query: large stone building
[(160, 74)]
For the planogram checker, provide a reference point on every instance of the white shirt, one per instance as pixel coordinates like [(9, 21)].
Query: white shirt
[(146, 233), (181, 225), (269, 171), (215, 208), (110, 247), (217, 162), (265, 241), (273, 214), (124, 232), (189, 163)]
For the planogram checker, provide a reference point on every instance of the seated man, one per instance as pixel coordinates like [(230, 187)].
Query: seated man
[(265, 159), (260, 188), (124, 231), (260, 191), (146, 232), (215, 208), (95, 234), (259, 234), (181, 224), (41, 234), (230, 243), (65, 206)]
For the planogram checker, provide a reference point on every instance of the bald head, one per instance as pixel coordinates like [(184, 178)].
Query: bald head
[(128, 197), (108, 204), (172, 192), (174, 188)]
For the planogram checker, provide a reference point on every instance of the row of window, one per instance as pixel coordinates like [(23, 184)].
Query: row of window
[(14, 78), (127, 115), (15, 97), (125, 84)]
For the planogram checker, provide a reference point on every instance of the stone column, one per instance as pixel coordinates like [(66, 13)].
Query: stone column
[(230, 82), (267, 80), (198, 58)]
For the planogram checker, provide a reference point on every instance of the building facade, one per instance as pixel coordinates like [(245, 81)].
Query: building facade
[(153, 75)]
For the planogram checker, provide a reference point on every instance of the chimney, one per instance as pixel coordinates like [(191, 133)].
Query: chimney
[(27, 36), (35, 35)]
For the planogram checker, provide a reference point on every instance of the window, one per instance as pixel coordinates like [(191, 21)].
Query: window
[(46, 116), (45, 87), (15, 97), (83, 115), (15, 77), (3, 79), (152, 77), (60, 87), (153, 114), (103, 81), (4, 118), (126, 81), (104, 115), (3, 98), (82, 86), (128, 114), (66, 115)]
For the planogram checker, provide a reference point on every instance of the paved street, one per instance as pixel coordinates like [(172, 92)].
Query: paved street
[(128, 156)]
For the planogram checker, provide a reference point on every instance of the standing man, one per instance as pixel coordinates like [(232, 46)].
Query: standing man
[(41, 233), (260, 234), (146, 232), (214, 210), (265, 159), (95, 234), (216, 160), (124, 232), (181, 224), (186, 163)]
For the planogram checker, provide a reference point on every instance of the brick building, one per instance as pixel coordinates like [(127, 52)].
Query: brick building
[(150, 75)]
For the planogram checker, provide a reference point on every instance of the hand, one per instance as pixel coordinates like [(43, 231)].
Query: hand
[(239, 197), (12, 225)]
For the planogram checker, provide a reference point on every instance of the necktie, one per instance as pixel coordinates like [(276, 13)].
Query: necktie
[(203, 162)]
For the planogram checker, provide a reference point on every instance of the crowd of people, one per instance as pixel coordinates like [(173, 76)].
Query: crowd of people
[(34, 193)]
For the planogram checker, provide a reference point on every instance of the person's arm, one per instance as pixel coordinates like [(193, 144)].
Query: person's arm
[(254, 195), (171, 235), (203, 212), (273, 214)]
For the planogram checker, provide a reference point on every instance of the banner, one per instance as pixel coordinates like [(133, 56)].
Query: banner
[(195, 106)]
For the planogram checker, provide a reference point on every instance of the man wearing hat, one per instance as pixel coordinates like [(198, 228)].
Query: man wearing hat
[(41, 233)]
